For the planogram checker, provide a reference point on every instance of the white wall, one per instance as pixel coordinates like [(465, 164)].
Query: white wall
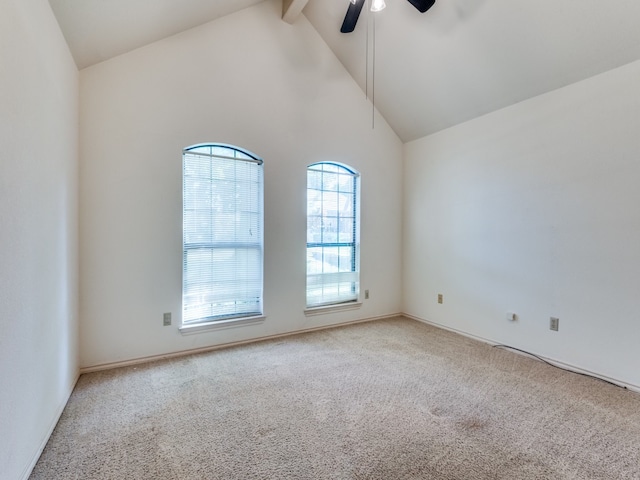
[(38, 230), (248, 79), (534, 209)]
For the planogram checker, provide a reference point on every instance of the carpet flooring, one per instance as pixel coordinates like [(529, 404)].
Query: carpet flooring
[(390, 399)]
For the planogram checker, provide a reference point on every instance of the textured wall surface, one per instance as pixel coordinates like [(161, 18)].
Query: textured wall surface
[(534, 210), (38, 230), (251, 80)]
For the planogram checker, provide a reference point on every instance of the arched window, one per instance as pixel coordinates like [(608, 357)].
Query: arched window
[(222, 234), (332, 234)]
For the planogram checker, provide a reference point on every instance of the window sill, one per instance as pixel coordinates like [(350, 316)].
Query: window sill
[(222, 324), (332, 308)]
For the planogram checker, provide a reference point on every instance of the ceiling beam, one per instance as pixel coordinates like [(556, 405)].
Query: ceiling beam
[(291, 9)]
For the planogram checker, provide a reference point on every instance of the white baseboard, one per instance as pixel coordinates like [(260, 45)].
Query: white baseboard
[(56, 418), (136, 361), (181, 353), (558, 363)]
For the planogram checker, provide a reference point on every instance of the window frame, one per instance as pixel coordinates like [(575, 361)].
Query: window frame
[(338, 301), (239, 317)]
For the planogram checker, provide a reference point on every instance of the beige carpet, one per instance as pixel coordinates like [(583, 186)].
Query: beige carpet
[(391, 399)]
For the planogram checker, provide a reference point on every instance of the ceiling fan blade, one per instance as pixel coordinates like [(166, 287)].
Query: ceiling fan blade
[(422, 5), (351, 18)]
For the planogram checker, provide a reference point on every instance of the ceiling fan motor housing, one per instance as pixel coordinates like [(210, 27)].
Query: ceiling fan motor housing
[(422, 5), (353, 12)]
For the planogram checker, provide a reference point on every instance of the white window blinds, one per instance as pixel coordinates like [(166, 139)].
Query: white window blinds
[(332, 234), (222, 234)]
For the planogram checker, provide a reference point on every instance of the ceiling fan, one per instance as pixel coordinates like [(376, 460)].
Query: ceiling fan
[(355, 6)]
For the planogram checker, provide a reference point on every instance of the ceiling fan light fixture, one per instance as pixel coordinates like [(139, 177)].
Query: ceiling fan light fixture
[(377, 5)]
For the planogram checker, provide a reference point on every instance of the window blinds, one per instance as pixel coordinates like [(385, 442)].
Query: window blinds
[(222, 234), (332, 235)]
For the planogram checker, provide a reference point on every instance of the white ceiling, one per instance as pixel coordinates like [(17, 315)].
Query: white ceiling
[(459, 60), (97, 30)]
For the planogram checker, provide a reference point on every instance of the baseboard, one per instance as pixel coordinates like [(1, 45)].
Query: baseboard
[(136, 361), (553, 361), (56, 418), (182, 353)]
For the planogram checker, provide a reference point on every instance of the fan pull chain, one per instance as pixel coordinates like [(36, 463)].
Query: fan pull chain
[(373, 76), (366, 54), (371, 26)]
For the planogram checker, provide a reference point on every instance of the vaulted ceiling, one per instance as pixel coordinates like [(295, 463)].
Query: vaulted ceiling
[(459, 60)]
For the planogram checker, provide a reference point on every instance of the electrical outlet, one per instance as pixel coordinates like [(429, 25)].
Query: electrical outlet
[(366, 294), (166, 319), (440, 298), (554, 323)]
